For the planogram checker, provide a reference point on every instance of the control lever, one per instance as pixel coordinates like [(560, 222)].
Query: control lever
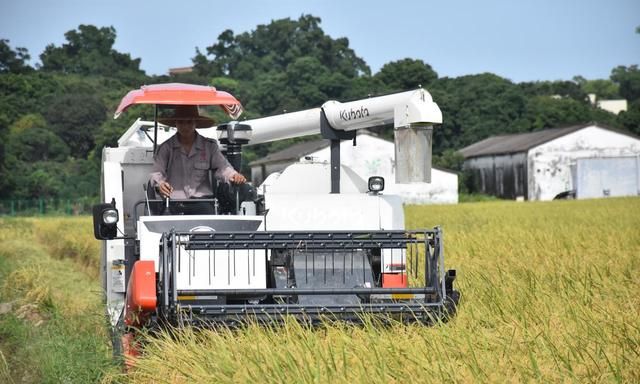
[(146, 198), (237, 199), (166, 207)]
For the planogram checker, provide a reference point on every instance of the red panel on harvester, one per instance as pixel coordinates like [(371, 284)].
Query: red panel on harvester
[(141, 290), (394, 280)]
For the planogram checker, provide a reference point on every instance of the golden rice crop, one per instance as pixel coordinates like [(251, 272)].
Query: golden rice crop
[(52, 327), (50, 256), (69, 238), (550, 293)]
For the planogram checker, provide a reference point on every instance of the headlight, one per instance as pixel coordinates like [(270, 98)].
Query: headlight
[(110, 216), (376, 184), (105, 220)]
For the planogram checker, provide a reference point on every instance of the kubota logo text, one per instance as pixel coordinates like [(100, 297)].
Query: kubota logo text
[(354, 114)]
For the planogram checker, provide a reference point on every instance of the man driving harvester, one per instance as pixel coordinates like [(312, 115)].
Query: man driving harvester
[(182, 163)]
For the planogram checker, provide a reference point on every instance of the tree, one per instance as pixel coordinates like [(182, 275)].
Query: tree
[(286, 64), (630, 119), (37, 144), (38, 180), (628, 78), (602, 88), (107, 135), (544, 112), (13, 61), (475, 107), (562, 89), (29, 140), (75, 118), (406, 74), (89, 51), (454, 161), (275, 46)]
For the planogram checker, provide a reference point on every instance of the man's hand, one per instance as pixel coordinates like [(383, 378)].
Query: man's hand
[(165, 189), (237, 178)]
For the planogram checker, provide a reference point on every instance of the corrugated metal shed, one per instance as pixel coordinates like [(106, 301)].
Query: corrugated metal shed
[(541, 165)]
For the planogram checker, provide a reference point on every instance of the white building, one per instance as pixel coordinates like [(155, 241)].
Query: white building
[(584, 161), (372, 156), (614, 106)]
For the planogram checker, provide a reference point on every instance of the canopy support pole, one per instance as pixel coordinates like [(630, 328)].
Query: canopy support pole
[(155, 129)]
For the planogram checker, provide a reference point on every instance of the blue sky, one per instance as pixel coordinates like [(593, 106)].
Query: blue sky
[(519, 40)]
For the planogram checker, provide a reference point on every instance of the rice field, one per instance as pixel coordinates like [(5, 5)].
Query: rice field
[(52, 328), (550, 293)]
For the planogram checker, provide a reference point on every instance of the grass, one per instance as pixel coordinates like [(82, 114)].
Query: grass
[(549, 294), (53, 331), (475, 197)]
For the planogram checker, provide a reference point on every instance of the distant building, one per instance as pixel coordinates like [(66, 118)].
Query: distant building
[(614, 106), (372, 156), (180, 70), (585, 161)]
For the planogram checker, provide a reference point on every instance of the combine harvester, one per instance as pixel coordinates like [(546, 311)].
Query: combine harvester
[(314, 241)]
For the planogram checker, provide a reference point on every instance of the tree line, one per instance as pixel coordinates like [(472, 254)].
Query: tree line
[(56, 118)]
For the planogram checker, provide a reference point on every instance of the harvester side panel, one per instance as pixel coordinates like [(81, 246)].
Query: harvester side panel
[(113, 251)]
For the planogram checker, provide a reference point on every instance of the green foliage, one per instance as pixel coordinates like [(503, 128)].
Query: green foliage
[(406, 74), (26, 122), (37, 144), (559, 89), (544, 112), (274, 47), (285, 65), (49, 179), (453, 160), (89, 51), (22, 94), (28, 140), (602, 88), (630, 120), (13, 61), (628, 78), (464, 197), (476, 107), (449, 159), (107, 135), (76, 117)]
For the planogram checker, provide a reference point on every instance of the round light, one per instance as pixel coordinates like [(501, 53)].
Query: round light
[(110, 216), (376, 184)]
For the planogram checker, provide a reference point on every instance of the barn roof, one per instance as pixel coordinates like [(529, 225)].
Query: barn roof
[(292, 153), (521, 142)]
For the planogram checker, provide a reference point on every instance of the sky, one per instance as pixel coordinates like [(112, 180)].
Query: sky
[(522, 40)]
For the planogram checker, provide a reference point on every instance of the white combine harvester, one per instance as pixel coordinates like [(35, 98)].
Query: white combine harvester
[(314, 241)]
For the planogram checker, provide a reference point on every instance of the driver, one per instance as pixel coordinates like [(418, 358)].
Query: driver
[(182, 163)]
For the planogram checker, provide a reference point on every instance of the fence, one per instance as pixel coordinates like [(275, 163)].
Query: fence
[(50, 207)]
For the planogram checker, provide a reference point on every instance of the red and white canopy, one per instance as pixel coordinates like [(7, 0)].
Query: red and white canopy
[(181, 94)]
